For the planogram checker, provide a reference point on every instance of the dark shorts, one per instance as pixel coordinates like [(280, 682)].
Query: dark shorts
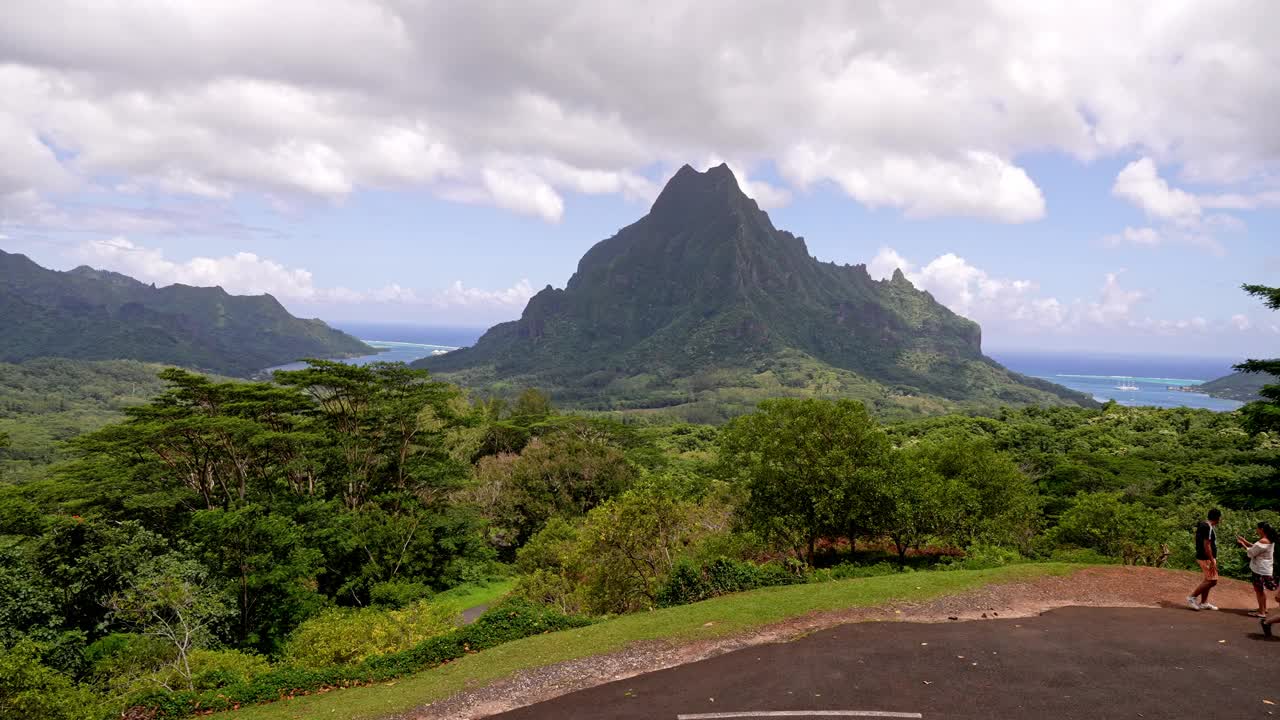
[(1265, 582)]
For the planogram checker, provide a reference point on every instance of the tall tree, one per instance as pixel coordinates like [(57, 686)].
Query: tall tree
[(811, 467), (1263, 415), (387, 424), (223, 441)]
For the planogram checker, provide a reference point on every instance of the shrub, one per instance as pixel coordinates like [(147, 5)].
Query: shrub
[(29, 689), (737, 545), (126, 663), (691, 582), (1107, 523), (1085, 556), (212, 669), (341, 636), (846, 571), (982, 557), (397, 594), (552, 589), (510, 620)]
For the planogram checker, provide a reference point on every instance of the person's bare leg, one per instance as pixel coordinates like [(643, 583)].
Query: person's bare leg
[(1203, 590), (1262, 599)]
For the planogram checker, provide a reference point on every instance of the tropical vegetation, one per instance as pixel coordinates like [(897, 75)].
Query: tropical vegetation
[(226, 543)]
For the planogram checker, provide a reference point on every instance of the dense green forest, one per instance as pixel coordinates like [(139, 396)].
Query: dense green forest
[(47, 401), (232, 542)]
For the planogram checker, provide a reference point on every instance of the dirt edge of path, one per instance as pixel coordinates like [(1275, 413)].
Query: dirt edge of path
[(1112, 586)]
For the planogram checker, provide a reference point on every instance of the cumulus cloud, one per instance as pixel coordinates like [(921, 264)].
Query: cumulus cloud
[(1241, 322), (246, 273), (927, 111), (243, 273), (974, 183), (1018, 306), (1182, 213), (513, 297), (1141, 184), (971, 291)]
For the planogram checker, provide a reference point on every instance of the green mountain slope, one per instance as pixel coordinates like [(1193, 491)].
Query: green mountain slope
[(1238, 386), (46, 401), (703, 306), (96, 315)]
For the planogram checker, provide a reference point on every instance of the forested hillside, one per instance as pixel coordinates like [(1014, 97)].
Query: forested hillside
[(1244, 387), (91, 314)]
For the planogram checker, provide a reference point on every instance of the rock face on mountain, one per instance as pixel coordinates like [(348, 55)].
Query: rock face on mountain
[(98, 315), (702, 305)]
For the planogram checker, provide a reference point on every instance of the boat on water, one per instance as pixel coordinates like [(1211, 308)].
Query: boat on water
[(1126, 387)]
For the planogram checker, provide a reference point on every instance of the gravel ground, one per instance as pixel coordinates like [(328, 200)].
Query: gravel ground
[(1092, 587)]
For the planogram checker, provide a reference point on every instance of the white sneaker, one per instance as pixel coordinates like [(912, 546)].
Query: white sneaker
[(1193, 603), (1208, 606)]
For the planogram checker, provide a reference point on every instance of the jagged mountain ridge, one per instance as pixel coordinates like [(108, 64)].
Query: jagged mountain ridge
[(704, 287), (100, 315)]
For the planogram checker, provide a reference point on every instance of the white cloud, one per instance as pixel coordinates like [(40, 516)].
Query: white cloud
[(1114, 305), (1015, 306), (927, 111), (514, 297), (971, 291), (1142, 237), (1141, 184), (245, 273), (523, 192), (974, 183), (885, 262), (1240, 322), (1182, 212)]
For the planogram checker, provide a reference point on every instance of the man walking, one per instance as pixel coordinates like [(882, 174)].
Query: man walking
[(1207, 556)]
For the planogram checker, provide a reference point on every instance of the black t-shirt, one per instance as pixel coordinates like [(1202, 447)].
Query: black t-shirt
[(1204, 531)]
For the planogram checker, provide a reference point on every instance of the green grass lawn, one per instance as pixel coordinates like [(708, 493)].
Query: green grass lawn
[(469, 596), (727, 615)]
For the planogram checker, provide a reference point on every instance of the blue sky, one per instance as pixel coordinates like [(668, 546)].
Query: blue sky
[(1072, 176)]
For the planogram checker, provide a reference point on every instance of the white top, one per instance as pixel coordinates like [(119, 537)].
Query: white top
[(1261, 557)]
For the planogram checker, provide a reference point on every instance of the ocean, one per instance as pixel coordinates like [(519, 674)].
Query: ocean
[(399, 343), (1128, 379)]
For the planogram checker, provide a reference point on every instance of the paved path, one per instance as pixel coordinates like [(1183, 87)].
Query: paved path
[(472, 614), (1068, 663)]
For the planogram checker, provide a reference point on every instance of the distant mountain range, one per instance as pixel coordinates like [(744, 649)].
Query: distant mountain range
[(702, 307), (97, 315)]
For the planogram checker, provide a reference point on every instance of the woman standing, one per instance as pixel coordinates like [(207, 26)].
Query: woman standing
[(1262, 565)]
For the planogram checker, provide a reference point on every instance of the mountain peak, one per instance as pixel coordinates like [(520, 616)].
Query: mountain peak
[(700, 299), (690, 190)]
